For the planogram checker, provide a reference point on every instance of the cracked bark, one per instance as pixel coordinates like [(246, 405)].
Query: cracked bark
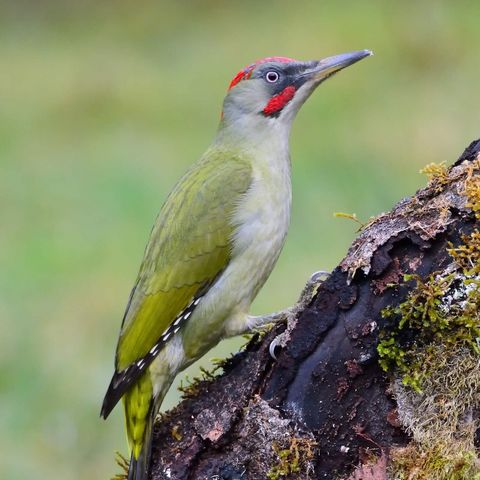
[(326, 390)]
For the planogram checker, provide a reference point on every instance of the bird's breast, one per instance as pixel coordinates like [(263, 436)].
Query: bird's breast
[(262, 219), (260, 222)]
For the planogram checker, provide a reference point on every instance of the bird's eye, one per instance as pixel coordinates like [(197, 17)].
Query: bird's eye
[(272, 76)]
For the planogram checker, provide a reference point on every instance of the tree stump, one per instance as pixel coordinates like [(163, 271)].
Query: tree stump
[(325, 408)]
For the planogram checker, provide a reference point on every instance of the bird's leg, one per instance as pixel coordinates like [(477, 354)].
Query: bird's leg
[(262, 322), (307, 295), (310, 289), (305, 298), (289, 315)]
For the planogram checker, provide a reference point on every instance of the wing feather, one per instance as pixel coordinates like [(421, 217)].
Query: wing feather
[(189, 247)]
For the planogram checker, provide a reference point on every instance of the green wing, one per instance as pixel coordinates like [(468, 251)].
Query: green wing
[(189, 246)]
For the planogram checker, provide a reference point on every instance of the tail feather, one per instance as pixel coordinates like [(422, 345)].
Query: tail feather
[(141, 407), (139, 467), (139, 416)]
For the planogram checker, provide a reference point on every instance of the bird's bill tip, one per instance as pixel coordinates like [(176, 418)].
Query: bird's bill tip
[(331, 65)]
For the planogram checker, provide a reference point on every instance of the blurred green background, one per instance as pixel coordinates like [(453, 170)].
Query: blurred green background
[(103, 105)]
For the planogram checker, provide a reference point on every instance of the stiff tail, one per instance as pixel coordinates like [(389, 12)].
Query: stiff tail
[(139, 467), (141, 408), (139, 415)]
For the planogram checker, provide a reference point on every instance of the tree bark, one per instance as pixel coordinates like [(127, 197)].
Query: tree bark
[(324, 408)]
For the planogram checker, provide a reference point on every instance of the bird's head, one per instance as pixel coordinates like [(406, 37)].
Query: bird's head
[(273, 89)]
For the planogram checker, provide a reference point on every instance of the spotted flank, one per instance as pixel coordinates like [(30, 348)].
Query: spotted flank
[(122, 380)]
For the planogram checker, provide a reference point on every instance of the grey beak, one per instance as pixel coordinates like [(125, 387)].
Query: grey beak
[(330, 65)]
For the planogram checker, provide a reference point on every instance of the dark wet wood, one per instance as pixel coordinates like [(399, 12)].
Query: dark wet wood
[(326, 387)]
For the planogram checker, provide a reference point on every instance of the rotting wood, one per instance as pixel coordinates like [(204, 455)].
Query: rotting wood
[(324, 408)]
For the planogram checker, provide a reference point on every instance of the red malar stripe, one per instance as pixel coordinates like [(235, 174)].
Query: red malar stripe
[(279, 101)]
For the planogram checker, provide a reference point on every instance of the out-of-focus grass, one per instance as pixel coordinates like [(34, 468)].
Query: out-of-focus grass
[(102, 107)]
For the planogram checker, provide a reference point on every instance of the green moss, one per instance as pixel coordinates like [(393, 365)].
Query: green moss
[(472, 188), (293, 459), (191, 388), (444, 308), (437, 174), (441, 421), (439, 462), (350, 216), (435, 350), (177, 433), (440, 310), (124, 464)]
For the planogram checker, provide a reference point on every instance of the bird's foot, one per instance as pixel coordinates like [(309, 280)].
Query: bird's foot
[(290, 314), (310, 289)]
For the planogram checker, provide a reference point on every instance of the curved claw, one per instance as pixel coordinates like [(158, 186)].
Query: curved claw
[(311, 287), (271, 349), (316, 276)]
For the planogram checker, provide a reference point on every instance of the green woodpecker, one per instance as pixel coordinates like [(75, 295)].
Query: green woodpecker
[(214, 243)]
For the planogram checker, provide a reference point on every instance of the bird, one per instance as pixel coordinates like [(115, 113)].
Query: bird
[(214, 243)]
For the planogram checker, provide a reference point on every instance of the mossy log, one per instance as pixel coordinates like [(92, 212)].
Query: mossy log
[(325, 408)]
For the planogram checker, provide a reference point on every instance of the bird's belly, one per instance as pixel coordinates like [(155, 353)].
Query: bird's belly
[(263, 220), (261, 240)]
